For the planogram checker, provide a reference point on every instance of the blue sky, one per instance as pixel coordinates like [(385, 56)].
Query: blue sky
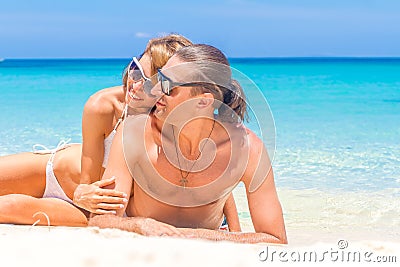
[(277, 28)]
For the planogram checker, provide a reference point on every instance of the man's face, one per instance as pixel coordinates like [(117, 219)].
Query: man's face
[(180, 101)]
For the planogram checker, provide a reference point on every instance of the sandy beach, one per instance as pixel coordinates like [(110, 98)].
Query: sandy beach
[(63, 246), (309, 232), (322, 90)]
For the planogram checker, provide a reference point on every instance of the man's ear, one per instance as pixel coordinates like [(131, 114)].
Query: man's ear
[(205, 100)]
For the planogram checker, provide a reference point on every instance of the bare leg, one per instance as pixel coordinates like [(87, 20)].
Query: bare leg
[(20, 209), (23, 173)]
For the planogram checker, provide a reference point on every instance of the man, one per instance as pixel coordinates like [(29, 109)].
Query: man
[(185, 161)]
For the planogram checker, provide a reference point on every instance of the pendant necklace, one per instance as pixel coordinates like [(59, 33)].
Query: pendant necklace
[(183, 181)]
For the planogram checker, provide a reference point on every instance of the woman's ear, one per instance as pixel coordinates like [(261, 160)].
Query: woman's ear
[(205, 100)]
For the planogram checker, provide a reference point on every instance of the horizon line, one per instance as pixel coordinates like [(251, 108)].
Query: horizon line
[(267, 57)]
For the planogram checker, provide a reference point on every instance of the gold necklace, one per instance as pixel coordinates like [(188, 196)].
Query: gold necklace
[(184, 180)]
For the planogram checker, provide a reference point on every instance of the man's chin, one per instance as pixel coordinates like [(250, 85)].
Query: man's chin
[(159, 113)]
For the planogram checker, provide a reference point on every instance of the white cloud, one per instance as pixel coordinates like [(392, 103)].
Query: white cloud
[(160, 34), (142, 35)]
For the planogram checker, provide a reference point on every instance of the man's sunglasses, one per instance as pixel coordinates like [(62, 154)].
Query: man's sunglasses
[(167, 84)]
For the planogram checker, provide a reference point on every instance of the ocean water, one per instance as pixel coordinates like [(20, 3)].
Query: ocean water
[(337, 120)]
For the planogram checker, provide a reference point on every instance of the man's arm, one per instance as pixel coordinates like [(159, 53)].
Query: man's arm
[(265, 208), (231, 214), (139, 225), (150, 227), (248, 238)]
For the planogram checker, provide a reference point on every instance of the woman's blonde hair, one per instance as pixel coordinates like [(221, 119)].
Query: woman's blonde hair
[(161, 49)]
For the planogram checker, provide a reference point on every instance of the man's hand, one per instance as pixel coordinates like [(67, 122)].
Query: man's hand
[(215, 235), (94, 198)]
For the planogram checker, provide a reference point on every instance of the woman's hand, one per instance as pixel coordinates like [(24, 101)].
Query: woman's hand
[(94, 198)]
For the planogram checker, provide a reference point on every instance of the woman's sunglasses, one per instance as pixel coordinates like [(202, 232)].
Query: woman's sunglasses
[(167, 84), (136, 73)]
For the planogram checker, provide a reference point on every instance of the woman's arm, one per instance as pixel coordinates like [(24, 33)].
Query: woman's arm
[(97, 119), (117, 168)]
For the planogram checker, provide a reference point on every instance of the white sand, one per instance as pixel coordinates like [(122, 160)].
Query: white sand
[(64, 246), (315, 223)]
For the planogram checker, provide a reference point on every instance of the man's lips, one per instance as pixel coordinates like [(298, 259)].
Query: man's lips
[(160, 104)]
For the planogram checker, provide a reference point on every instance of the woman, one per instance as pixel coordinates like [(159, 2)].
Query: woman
[(101, 117)]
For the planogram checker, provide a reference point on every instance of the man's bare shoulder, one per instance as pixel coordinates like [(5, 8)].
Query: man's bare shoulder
[(259, 164), (103, 102), (242, 132), (255, 142)]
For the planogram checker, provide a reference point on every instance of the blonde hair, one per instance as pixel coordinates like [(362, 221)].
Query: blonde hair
[(161, 49)]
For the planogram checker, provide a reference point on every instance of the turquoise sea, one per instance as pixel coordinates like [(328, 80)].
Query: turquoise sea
[(337, 123), (337, 119)]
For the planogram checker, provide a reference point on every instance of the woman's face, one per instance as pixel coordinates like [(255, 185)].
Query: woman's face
[(135, 96)]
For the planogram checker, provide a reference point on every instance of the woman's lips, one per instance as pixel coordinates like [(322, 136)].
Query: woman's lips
[(134, 97)]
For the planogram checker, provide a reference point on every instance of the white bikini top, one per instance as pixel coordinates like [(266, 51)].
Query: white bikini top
[(108, 140)]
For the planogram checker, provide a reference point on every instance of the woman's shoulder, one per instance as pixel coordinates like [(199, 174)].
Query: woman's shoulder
[(105, 100)]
